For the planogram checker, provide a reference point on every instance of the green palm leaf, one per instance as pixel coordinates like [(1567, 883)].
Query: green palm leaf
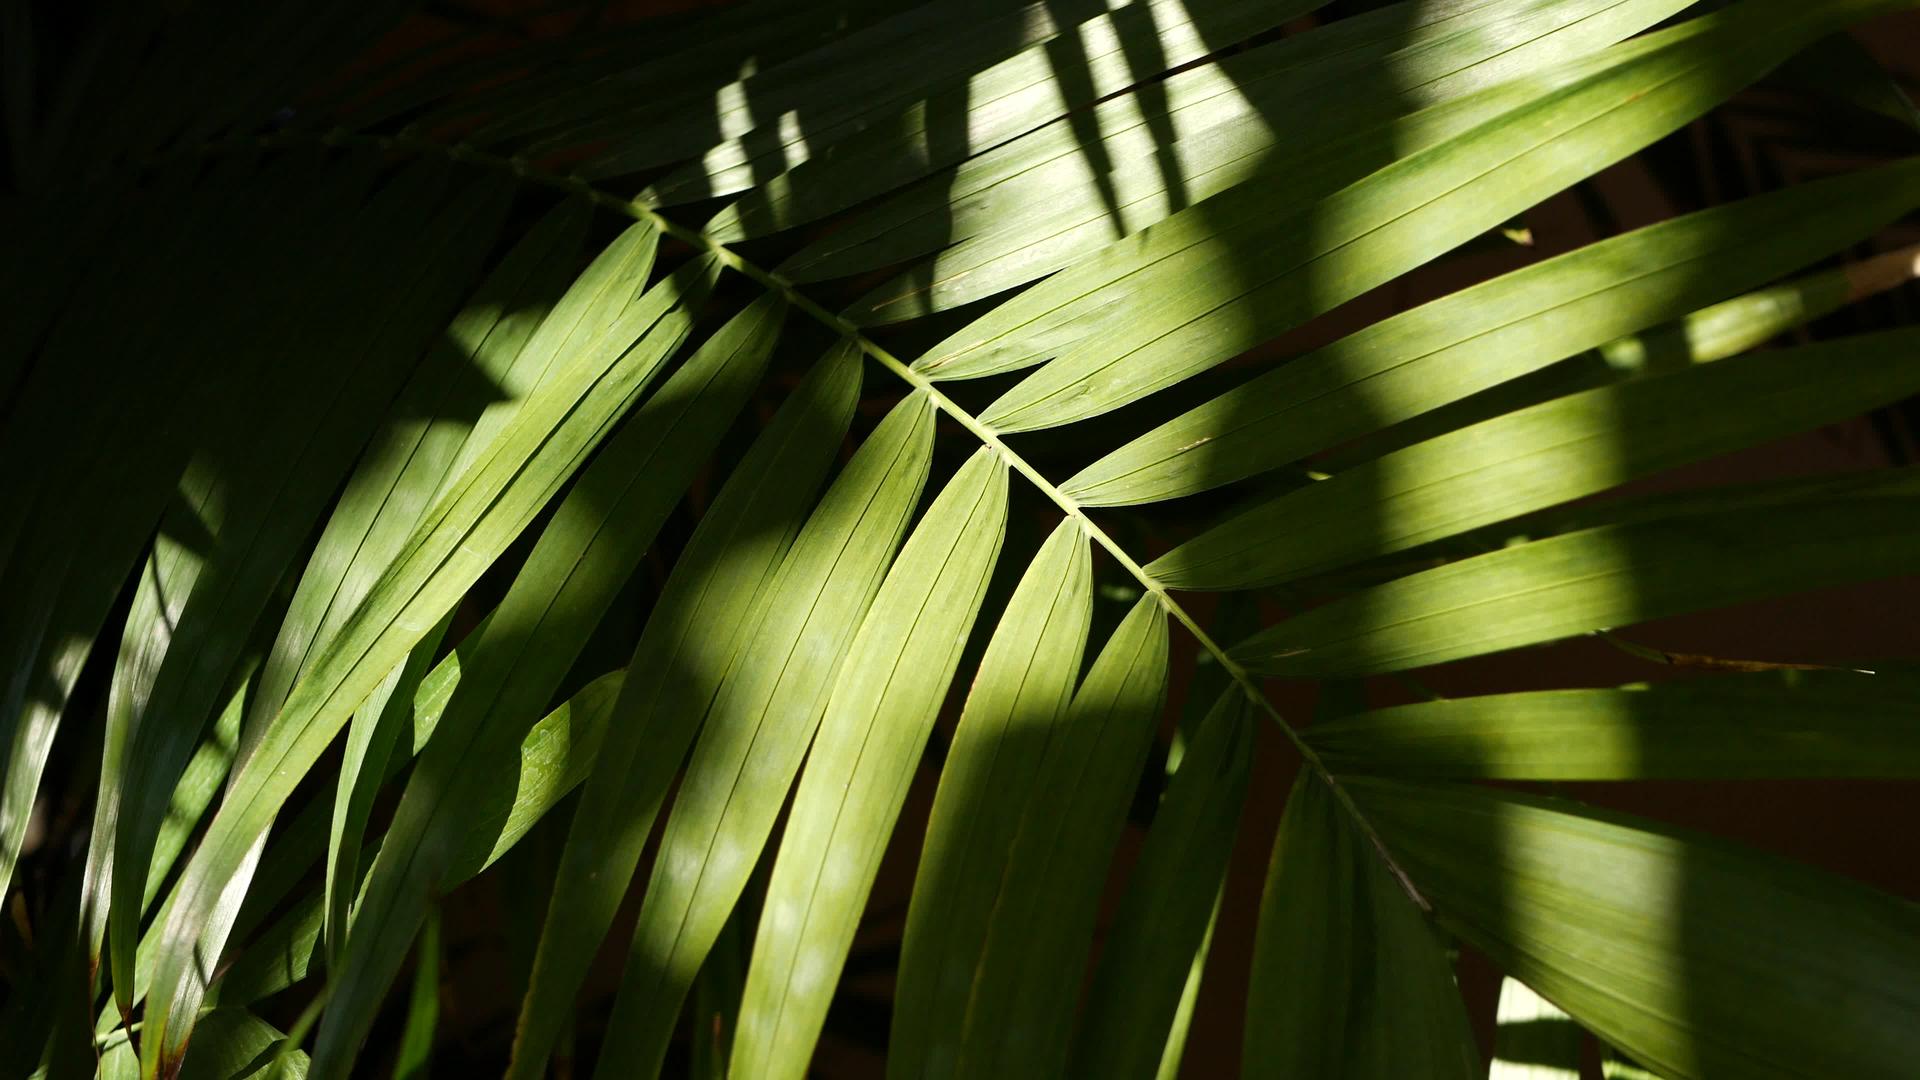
[(1383, 1000), (759, 725), (1368, 368), (703, 616), (1541, 885), (1768, 724), (1020, 694), (876, 723)]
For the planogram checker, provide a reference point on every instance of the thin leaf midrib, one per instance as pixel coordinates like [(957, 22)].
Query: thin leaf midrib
[(638, 209)]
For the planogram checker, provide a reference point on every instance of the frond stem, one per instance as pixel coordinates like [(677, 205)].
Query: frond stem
[(732, 260)]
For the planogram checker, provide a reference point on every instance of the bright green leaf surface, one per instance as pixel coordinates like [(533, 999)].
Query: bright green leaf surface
[(1348, 978), (1695, 956), (759, 727), (866, 752), (1019, 695), (1768, 724)]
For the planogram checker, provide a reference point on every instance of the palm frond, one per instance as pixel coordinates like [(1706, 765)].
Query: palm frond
[(370, 374)]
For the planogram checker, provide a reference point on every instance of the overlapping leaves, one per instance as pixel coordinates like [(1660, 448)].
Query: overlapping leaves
[(307, 449)]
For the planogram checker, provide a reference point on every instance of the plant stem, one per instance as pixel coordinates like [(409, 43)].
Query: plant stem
[(732, 260)]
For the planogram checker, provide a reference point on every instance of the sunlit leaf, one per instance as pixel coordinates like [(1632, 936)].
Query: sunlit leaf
[(1695, 956), (758, 729), (1590, 580), (1019, 695), (1550, 453), (1027, 978), (1766, 724), (1016, 212), (542, 445), (690, 643), (592, 544), (1348, 979), (1516, 324), (864, 756)]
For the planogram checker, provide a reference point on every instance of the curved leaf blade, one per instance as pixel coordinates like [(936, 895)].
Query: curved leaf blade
[(1717, 961), (692, 639), (1591, 580), (1473, 340), (1168, 909), (1082, 61), (1188, 310), (1026, 985), (1019, 695), (559, 424), (1017, 212), (1544, 455), (758, 730), (1750, 726), (1348, 979), (863, 758), (591, 546)]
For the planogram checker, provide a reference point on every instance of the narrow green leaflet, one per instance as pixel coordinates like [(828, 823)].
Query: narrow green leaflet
[(231, 1044), (1348, 148), (99, 507), (544, 443), (165, 584), (468, 385), (1697, 957), (1514, 325), (825, 94), (301, 840), (691, 641), (200, 781), (275, 478), (663, 313), (550, 760), (1116, 50), (1747, 726), (596, 538), (715, 1008), (423, 1006), (1537, 457), (758, 730), (1026, 983), (1015, 213), (516, 791), (375, 732), (1591, 580), (1348, 978), (1711, 333), (863, 758), (1234, 271), (1781, 496), (1168, 907), (1533, 1039), (1019, 695)]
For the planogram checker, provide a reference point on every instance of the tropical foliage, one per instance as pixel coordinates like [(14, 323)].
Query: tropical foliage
[(604, 454)]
